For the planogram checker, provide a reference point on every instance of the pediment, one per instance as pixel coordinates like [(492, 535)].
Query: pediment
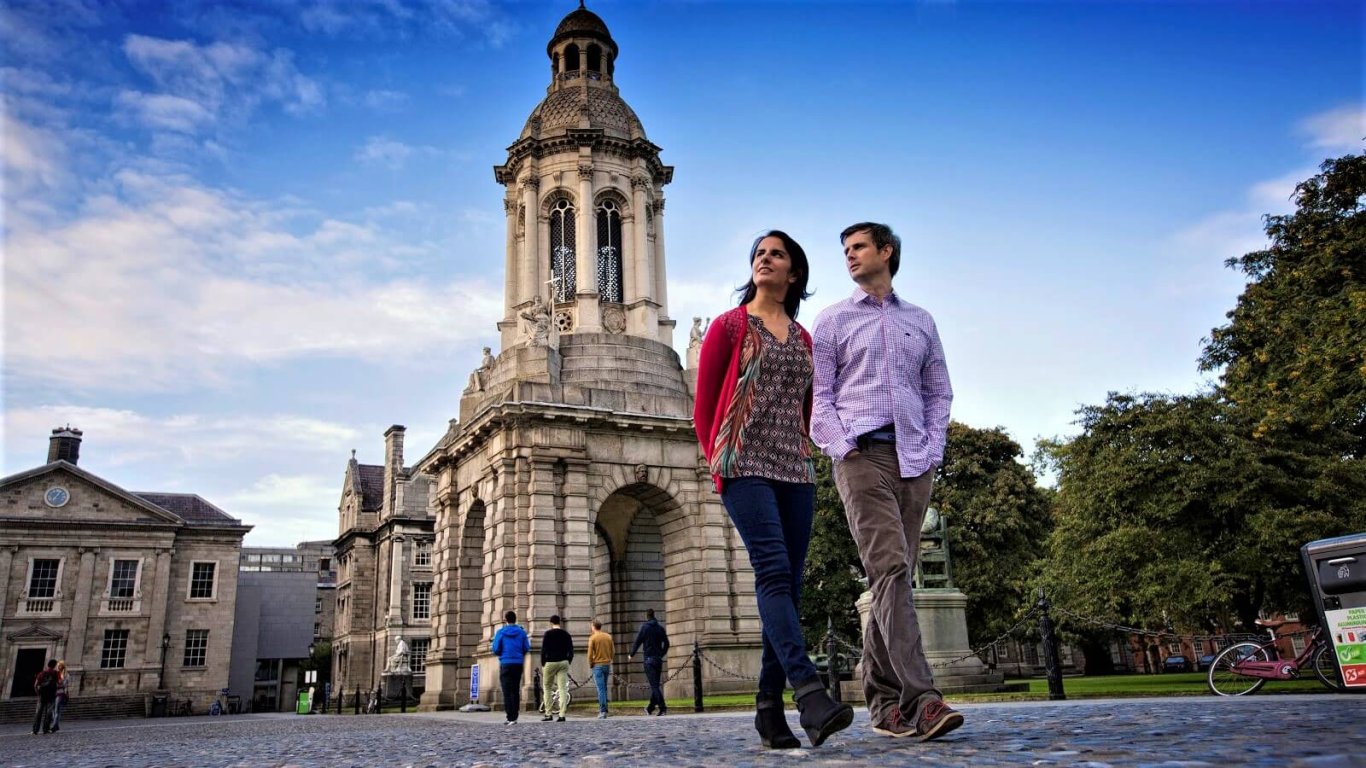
[(33, 633), (90, 498)]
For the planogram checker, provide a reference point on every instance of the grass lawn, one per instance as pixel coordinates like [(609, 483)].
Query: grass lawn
[(1103, 687)]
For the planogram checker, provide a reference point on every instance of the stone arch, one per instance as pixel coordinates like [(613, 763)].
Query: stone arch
[(641, 530), (571, 57), (470, 567), (594, 57), (619, 198)]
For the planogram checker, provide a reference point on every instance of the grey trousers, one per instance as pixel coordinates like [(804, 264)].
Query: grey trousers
[(885, 512)]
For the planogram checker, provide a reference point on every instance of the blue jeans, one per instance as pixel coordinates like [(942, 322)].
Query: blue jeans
[(774, 520), (600, 674)]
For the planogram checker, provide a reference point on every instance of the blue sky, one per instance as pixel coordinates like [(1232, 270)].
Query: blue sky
[(241, 242)]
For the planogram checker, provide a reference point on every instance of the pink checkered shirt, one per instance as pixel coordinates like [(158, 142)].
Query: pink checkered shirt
[(880, 363)]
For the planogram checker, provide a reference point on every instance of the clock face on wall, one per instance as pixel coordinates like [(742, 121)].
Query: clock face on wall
[(57, 496)]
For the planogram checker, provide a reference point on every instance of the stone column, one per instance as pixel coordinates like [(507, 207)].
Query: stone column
[(510, 297), (395, 585), (528, 276), (162, 596), (661, 280), (443, 658), (586, 249), (579, 539), (6, 562), (542, 564), (642, 317), (80, 606)]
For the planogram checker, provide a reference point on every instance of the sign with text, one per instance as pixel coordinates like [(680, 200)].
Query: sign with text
[(1347, 627), (474, 682)]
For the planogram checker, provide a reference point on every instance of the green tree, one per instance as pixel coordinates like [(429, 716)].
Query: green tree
[(998, 520), (830, 585), (1294, 351), (1170, 512)]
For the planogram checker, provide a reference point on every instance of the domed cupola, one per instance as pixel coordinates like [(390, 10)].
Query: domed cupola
[(585, 201)]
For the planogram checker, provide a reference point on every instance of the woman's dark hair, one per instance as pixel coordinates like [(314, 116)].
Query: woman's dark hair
[(797, 290)]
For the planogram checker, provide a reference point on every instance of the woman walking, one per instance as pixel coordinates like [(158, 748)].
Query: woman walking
[(60, 703), (752, 413)]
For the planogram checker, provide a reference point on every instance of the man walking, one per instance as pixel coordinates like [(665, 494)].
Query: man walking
[(557, 650), (511, 646), (45, 685), (655, 642), (600, 652), (881, 411)]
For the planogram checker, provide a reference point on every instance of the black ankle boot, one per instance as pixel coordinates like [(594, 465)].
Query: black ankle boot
[(770, 723), (822, 716)]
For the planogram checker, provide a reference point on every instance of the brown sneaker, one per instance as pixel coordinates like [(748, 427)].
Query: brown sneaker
[(936, 719), (894, 726)]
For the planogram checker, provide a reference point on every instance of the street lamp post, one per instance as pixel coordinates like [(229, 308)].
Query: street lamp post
[(165, 644)]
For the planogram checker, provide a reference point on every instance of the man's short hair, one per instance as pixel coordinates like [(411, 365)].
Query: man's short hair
[(649, 613), (882, 236), (555, 619), (597, 623), (510, 617)]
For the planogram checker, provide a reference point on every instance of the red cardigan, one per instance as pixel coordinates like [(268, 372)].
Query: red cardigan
[(718, 371)]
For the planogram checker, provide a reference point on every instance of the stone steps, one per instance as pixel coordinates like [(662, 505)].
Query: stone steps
[(81, 708)]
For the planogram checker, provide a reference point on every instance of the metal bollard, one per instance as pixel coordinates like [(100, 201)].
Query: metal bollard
[(358, 699), (403, 698), (832, 671), (1051, 664), (696, 677)]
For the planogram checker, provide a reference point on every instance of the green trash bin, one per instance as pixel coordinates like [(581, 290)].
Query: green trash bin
[(305, 706)]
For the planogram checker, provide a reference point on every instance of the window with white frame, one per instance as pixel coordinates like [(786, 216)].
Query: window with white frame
[(123, 578), (114, 651), (417, 654), (1174, 648), (318, 605), (203, 578), (422, 553), (1199, 646), (1292, 617), (196, 647), (1297, 643), (317, 631), (422, 601), (42, 580)]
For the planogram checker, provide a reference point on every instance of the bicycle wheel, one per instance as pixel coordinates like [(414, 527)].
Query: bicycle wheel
[(1225, 680), (1325, 664)]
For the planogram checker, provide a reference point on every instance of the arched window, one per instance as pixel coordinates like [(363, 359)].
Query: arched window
[(594, 58), (562, 250), (609, 251), (571, 58)]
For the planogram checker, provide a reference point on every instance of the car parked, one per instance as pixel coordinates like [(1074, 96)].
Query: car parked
[(1205, 662), (1175, 664)]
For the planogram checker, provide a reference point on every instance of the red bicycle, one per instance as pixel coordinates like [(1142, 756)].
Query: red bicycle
[(1244, 668)]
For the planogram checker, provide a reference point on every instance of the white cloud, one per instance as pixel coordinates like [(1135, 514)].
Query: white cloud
[(120, 437), (387, 18), (159, 282), (1337, 130), (287, 509), (392, 154), (196, 85)]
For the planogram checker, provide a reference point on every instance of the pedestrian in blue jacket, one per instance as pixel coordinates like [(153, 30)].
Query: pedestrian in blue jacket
[(511, 645)]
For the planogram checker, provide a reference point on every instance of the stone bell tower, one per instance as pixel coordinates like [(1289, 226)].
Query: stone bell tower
[(572, 483), (585, 200)]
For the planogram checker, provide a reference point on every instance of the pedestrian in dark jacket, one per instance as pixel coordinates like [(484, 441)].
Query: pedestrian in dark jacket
[(655, 642), (511, 646), (45, 685), (557, 650)]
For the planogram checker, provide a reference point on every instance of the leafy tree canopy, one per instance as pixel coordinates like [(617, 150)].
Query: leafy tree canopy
[(1294, 351)]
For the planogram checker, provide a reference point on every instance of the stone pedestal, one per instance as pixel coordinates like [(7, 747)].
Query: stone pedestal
[(395, 684), (944, 636)]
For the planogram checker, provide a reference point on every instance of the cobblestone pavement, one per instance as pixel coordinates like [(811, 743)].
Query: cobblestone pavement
[(1322, 731)]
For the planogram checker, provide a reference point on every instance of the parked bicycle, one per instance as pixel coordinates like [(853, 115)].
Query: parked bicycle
[(1244, 668)]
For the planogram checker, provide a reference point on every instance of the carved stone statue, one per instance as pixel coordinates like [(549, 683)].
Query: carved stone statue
[(933, 568), (398, 663), (538, 322), (487, 361), (695, 335)]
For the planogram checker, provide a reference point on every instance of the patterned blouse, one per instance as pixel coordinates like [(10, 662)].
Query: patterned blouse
[(764, 432)]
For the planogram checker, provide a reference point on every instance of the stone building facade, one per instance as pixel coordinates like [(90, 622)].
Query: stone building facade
[(384, 568), (136, 591)]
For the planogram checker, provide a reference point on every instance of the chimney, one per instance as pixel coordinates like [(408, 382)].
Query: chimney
[(393, 463), (64, 445)]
